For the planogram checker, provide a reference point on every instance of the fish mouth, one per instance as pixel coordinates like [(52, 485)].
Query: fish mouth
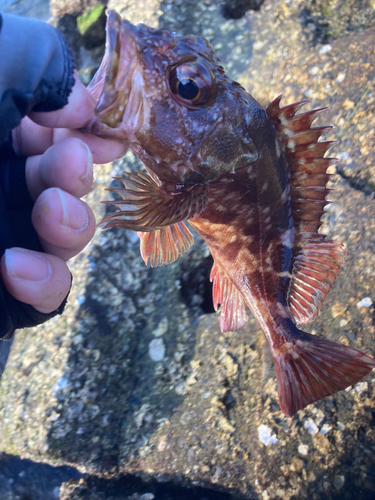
[(113, 82)]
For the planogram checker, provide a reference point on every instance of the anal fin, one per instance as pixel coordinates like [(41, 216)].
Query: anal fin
[(311, 368), (233, 311), (315, 268), (163, 246)]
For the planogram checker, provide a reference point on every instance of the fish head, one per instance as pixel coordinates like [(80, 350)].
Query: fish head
[(169, 99)]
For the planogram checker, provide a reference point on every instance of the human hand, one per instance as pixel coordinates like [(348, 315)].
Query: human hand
[(58, 172)]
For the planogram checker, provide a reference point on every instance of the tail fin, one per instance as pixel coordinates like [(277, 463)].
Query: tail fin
[(310, 368)]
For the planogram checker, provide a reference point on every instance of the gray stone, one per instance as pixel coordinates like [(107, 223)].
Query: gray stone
[(83, 389)]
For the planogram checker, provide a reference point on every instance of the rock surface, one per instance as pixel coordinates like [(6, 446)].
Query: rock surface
[(133, 379), (30, 8)]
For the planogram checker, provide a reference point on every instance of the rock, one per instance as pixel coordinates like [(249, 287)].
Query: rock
[(91, 25), (131, 488), (83, 388), (73, 7), (30, 8), (322, 22)]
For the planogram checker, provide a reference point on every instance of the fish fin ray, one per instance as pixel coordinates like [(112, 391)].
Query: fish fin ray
[(312, 368), (165, 245), (233, 311), (147, 206), (316, 262), (316, 266), (307, 166)]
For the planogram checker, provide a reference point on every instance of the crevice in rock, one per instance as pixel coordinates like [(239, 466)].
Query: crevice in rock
[(129, 487), (30, 480), (323, 21), (357, 183), (196, 288), (235, 9)]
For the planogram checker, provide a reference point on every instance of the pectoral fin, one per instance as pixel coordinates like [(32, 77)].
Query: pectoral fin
[(146, 206)]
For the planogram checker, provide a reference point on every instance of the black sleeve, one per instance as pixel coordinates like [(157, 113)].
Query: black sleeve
[(16, 231), (36, 73), (36, 70)]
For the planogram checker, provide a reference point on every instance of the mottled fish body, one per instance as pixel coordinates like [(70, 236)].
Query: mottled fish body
[(251, 181)]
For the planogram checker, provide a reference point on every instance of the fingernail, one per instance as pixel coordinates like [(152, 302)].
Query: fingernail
[(26, 265), (75, 214), (88, 174)]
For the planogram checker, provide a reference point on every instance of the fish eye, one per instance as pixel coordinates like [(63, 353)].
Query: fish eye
[(191, 84)]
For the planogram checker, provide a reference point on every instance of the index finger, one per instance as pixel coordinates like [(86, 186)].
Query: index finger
[(76, 114), (30, 139)]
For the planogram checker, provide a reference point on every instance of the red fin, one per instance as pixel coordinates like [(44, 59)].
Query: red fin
[(315, 269), (316, 263), (317, 150), (146, 206), (233, 311), (163, 246), (307, 166), (312, 368)]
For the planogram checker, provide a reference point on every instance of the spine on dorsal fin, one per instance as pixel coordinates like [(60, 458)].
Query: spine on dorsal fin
[(306, 164), (233, 311), (163, 246), (316, 262), (310, 368), (146, 205)]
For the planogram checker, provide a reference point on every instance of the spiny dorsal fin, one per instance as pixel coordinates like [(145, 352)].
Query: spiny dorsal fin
[(233, 312), (146, 205), (304, 156), (163, 246), (316, 262)]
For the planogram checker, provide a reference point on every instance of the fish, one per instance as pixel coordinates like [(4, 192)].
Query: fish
[(251, 181)]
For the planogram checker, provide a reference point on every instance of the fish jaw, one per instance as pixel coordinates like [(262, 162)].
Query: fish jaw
[(118, 85)]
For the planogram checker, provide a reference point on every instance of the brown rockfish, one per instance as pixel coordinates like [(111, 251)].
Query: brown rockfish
[(250, 181)]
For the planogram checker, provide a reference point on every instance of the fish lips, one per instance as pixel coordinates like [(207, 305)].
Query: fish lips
[(111, 85)]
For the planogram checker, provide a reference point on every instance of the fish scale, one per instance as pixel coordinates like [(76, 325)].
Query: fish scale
[(252, 183)]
